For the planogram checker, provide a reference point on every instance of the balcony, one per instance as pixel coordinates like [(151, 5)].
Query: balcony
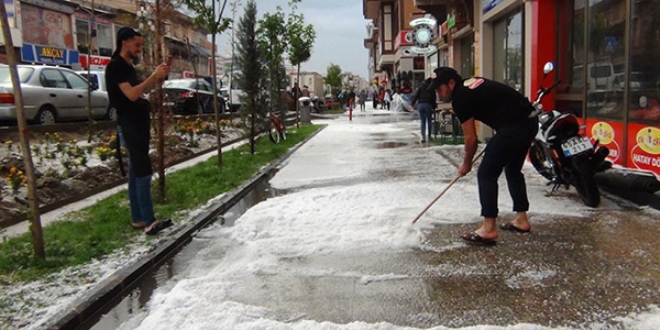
[(370, 8)]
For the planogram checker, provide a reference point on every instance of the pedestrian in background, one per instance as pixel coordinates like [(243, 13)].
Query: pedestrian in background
[(133, 118), (363, 100), (424, 96), (508, 113), (387, 99)]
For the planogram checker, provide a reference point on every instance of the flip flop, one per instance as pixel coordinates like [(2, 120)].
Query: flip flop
[(510, 227), (137, 225), (158, 227), (473, 237)]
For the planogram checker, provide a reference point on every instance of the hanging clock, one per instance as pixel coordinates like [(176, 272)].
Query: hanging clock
[(422, 35)]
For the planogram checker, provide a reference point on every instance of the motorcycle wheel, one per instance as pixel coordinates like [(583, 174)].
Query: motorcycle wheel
[(584, 181), (273, 134), (283, 134), (540, 161)]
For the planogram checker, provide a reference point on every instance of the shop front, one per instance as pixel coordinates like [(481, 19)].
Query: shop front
[(47, 33), (607, 60)]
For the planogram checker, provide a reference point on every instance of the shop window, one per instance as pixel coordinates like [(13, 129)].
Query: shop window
[(644, 76), (508, 51), (104, 39), (467, 56)]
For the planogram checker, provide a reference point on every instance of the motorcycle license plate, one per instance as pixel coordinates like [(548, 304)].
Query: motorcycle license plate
[(576, 145)]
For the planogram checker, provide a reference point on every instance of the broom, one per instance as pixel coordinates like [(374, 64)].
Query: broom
[(447, 188)]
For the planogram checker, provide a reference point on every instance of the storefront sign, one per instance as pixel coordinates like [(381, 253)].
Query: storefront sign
[(48, 55), (610, 135), (490, 4), (97, 62), (422, 35), (187, 74), (451, 21), (404, 38), (644, 147)]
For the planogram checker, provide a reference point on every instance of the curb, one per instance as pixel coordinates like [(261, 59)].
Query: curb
[(82, 310)]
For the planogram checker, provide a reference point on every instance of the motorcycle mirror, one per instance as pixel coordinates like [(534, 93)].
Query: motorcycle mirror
[(548, 67)]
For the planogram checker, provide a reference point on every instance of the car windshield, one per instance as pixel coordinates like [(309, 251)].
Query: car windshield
[(23, 74), (178, 83)]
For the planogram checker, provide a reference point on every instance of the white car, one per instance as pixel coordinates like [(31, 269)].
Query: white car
[(50, 94), (97, 79)]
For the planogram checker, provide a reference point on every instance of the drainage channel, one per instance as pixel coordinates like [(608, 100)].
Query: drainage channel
[(132, 301)]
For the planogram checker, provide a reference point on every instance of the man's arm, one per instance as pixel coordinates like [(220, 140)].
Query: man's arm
[(135, 92), (470, 133)]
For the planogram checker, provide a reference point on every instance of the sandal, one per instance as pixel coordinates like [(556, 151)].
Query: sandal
[(138, 224), (510, 227), (158, 227), (473, 237)]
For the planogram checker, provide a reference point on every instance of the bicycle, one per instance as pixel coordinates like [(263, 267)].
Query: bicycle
[(276, 128)]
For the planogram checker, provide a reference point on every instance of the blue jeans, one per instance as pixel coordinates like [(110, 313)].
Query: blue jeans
[(139, 193), (425, 117)]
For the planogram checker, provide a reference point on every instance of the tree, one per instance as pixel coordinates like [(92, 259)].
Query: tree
[(272, 39), (35, 225), (206, 18), (334, 78), (301, 40), (250, 63)]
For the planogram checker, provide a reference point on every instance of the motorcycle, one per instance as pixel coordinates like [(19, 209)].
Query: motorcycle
[(561, 154)]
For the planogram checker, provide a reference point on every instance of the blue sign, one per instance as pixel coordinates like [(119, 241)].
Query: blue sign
[(610, 45), (490, 4), (49, 55)]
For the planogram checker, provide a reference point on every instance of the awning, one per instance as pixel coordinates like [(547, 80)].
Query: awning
[(201, 51)]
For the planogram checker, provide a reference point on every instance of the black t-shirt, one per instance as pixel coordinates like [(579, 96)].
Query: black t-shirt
[(128, 112), (490, 102)]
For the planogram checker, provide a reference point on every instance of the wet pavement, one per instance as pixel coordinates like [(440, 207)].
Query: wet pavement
[(580, 271)]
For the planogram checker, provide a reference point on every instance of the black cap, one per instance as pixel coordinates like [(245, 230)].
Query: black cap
[(443, 74)]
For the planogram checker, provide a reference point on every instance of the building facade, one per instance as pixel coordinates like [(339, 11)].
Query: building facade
[(604, 51), (78, 35)]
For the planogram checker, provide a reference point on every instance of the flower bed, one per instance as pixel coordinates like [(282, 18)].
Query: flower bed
[(67, 165)]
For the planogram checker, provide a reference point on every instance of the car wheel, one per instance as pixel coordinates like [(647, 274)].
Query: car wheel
[(45, 116), (111, 115)]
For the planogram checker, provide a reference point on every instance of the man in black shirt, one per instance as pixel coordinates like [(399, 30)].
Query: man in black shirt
[(507, 112), (133, 117)]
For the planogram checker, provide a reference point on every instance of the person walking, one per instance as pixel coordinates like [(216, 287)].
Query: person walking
[(425, 99), (134, 123), (363, 100), (508, 113), (387, 99)]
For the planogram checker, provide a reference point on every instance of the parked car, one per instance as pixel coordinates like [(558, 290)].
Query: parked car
[(50, 95), (182, 95), (638, 81), (97, 79)]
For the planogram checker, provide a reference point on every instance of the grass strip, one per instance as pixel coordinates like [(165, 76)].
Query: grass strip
[(104, 227)]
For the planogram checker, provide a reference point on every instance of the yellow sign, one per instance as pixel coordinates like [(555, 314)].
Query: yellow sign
[(648, 139), (52, 52), (603, 132)]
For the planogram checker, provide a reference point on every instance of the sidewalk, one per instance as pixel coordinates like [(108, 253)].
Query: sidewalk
[(335, 248)]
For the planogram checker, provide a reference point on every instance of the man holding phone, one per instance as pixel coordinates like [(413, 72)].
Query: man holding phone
[(134, 122)]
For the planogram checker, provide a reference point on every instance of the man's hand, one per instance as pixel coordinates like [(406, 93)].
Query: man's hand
[(162, 71), (464, 169)]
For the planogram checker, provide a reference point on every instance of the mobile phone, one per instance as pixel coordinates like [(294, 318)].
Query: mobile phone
[(169, 60)]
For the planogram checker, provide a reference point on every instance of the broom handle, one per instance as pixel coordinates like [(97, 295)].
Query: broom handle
[(446, 188)]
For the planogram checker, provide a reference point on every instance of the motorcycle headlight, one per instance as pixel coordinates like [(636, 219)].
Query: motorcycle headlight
[(543, 118)]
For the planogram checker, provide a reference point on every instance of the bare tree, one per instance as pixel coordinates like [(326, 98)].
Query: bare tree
[(35, 226)]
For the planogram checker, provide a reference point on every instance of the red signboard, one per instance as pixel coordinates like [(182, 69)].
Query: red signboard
[(402, 39), (644, 147), (610, 135), (98, 62), (187, 74)]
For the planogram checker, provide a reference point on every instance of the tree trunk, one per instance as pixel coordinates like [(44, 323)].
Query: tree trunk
[(297, 105), (35, 225), (214, 72), (159, 106), (89, 87)]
